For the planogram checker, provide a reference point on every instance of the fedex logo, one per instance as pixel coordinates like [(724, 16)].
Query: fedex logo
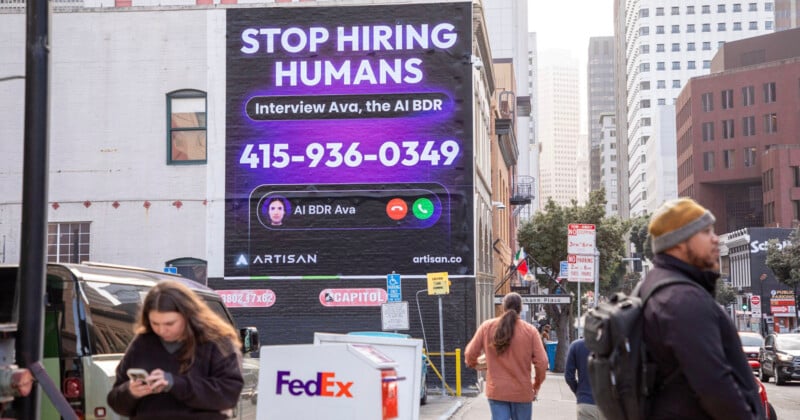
[(322, 386)]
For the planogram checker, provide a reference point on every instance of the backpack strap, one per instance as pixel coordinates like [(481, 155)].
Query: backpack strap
[(663, 283)]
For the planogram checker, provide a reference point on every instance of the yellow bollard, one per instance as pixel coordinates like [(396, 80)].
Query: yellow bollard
[(458, 372)]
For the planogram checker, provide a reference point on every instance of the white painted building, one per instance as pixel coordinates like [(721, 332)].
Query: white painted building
[(608, 161), (667, 43), (559, 123)]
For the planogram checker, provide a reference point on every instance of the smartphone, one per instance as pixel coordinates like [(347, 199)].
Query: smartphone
[(136, 374)]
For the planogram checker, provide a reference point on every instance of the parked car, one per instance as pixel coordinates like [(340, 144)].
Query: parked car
[(768, 409), (780, 357), (89, 316), (751, 344)]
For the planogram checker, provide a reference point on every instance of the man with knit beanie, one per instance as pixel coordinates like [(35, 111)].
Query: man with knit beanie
[(701, 371)]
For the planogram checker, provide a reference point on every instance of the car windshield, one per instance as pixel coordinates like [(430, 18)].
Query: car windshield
[(751, 340), (789, 342)]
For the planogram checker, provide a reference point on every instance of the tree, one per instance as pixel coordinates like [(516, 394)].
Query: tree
[(640, 237), (544, 237), (785, 262), (726, 294)]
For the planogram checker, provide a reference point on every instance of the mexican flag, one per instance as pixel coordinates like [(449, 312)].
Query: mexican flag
[(521, 262)]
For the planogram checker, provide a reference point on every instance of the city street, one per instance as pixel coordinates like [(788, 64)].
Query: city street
[(785, 399)]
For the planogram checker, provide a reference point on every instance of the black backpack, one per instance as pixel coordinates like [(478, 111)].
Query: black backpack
[(621, 377)]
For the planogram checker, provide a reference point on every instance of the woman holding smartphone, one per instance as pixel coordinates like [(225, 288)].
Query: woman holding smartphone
[(189, 354)]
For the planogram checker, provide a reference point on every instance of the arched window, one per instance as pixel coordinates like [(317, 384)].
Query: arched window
[(191, 268)]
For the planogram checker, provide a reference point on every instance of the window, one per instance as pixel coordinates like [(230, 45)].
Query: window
[(727, 98), (186, 135), (644, 67), (708, 161), (720, 8), (660, 66), (676, 29), (727, 129), (796, 175), (706, 46), (708, 131), (706, 27), (661, 84), (690, 28), (689, 10), (748, 96), (676, 83), (771, 123), (660, 29), (720, 44), (706, 64), (643, 13), (721, 27), (644, 85), (645, 103), (644, 49), (706, 9), (752, 25), (659, 11), (768, 6), (662, 101), (676, 46), (768, 25), (676, 10), (691, 65), (749, 157), (690, 46), (737, 7), (796, 211), (749, 126), (769, 92), (646, 122), (768, 179), (644, 31), (676, 65), (737, 26), (752, 7), (769, 212), (708, 102), (191, 268), (68, 242), (659, 47), (728, 158)]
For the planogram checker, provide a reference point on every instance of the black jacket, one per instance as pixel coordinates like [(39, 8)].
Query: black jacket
[(212, 384), (685, 329)]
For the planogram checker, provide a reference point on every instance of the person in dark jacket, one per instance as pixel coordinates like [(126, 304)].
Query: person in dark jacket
[(577, 376), (191, 356), (701, 370)]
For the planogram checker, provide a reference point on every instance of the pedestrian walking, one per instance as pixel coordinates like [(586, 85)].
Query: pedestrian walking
[(703, 374), (188, 357), (577, 376), (510, 346)]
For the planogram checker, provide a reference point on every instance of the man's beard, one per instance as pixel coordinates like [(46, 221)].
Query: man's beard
[(702, 263)]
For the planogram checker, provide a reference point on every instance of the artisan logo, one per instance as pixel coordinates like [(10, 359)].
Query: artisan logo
[(323, 386)]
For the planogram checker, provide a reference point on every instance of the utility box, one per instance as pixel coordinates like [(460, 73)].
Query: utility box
[(332, 382)]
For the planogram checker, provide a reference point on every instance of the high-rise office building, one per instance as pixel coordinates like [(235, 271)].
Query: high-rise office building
[(787, 14), (600, 84), (608, 161), (559, 123), (666, 43)]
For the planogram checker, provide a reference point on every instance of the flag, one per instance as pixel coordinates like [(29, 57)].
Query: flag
[(523, 268), (519, 257)]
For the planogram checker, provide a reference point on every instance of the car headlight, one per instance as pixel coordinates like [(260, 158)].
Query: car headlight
[(785, 357)]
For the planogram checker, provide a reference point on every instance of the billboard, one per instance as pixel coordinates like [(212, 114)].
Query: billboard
[(348, 141)]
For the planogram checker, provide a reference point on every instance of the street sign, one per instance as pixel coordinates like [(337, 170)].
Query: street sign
[(393, 287), (755, 300), (394, 316), (581, 238), (581, 268), (539, 299), (171, 270), (438, 284), (563, 271)]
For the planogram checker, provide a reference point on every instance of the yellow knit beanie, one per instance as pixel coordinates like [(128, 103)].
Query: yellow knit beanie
[(676, 221)]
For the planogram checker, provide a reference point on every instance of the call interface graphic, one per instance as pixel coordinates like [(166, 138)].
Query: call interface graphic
[(349, 140)]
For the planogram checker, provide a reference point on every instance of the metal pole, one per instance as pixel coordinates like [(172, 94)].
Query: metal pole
[(31, 275), (596, 276), (441, 347), (578, 330)]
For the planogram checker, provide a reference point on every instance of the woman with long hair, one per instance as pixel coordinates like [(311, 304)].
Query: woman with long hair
[(190, 357), (510, 346)]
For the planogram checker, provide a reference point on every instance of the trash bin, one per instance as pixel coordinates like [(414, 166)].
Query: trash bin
[(550, 346)]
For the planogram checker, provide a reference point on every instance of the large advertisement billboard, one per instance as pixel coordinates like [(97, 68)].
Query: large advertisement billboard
[(348, 141)]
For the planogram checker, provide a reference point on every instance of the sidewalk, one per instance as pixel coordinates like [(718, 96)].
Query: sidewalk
[(556, 402)]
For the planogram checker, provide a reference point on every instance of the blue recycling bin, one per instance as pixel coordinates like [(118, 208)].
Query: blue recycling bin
[(550, 346)]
